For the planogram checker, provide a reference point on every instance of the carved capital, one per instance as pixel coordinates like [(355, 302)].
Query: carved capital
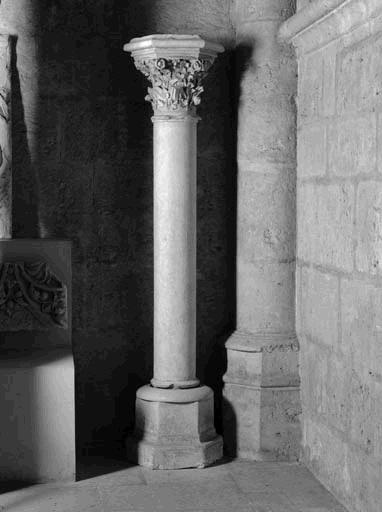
[(175, 65), (176, 84)]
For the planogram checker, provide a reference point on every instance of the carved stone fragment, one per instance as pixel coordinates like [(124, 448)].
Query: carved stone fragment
[(31, 297)]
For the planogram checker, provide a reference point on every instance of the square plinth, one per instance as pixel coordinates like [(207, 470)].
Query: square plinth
[(174, 435)]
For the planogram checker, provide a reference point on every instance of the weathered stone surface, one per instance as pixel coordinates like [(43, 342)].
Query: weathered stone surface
[(267, 427), (262, 359), (352, 146), (314, 372), (311, 150), (309, 96), (327, 454), (266, 215), (359, 76), (338, 242), (320, 306), (330, 209), (360, 318), (171, 435), (264, 291), (369, 228)]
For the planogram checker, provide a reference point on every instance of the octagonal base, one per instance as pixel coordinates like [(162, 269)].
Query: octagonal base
[(174, 434)]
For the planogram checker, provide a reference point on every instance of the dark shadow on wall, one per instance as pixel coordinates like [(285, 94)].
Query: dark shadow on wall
[(91, 182), (216, 257), (25, 191)]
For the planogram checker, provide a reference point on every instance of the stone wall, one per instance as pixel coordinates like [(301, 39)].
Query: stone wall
[(82, 169), (339, 259)]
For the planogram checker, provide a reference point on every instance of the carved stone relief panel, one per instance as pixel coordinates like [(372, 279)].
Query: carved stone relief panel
[(32, 297)]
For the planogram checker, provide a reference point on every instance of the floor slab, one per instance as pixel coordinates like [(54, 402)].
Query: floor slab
[(239, 486)]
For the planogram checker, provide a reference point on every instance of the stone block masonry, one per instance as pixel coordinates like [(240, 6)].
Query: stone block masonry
[(261, 390), (339, 244)]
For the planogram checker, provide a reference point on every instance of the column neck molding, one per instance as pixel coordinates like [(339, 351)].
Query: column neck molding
[(186, 117), (324, 21)]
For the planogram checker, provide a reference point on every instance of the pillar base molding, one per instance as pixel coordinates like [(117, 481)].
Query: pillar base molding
[(261, 396), (176, 384), (174, 429)]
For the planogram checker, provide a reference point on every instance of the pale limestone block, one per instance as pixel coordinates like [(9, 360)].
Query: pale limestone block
[(366, 477), (306, 218), (328, 456), (320, 306), (242, 417), (338, 400), (266, 215), (329, 80), (379, 143), (319, 23), (362, 405), (360, 315), (330, 208), (311, 150), (310, 84), (352, 146), (359, 76), (266, 128), (261, 423), (314, 374), (264, 291), (262, 370), (369, 227), (298, 299), (277, 82), (37, 439), (281, 366), (244, 368), (377, 421), (280, 423), (262, 359), (332, 240)]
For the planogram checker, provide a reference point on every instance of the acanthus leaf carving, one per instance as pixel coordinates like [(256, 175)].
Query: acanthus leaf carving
[(176, 83)]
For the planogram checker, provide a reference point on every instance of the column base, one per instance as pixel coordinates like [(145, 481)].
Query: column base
[(174, 429), (261, 397)]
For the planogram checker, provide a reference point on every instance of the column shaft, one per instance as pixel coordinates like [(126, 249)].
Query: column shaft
[(174, 251), (5, 138)]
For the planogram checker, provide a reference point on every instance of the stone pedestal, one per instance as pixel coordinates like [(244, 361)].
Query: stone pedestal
[(37, 410), (174, 425)]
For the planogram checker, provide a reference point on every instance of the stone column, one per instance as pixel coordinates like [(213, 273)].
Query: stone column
[(261, 392), (5, 138), (174, 415)]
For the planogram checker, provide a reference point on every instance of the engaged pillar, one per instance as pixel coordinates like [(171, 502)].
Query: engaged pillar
[(174, 415), (261, 393)]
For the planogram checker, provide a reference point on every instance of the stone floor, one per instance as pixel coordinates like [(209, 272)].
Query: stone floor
[(232, 486)]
